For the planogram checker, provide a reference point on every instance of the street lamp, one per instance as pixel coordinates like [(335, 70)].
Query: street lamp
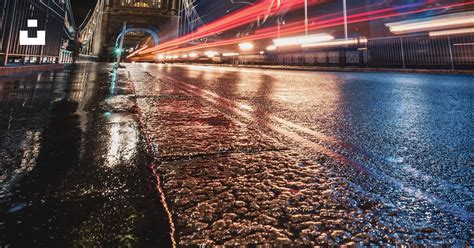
[(344, 4), (306, 16), (120, 48), (246, 46)]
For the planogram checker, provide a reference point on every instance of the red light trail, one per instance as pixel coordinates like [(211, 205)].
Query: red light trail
[(291, 28), (241, 17)]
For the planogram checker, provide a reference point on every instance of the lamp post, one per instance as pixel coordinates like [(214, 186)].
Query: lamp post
[(119, 51), (344, 4), (306, 16)]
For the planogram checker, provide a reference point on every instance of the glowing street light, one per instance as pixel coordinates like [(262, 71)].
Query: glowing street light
[(334, 43), (230, 54), (271, 48), (211, 54), (246, 46)]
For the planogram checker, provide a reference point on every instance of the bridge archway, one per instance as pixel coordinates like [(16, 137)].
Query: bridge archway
[(157, 19), (152, 32)]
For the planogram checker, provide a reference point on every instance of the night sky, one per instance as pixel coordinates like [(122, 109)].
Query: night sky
[(81, 8)]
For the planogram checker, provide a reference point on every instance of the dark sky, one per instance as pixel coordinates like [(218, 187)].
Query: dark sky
[(81, 8)]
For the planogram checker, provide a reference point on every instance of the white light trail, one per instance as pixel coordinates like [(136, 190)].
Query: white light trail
[(452, 32), (290, 41), (343, 42), (246, 46), (457, 20), (211, 54), (230, 54), (271, 48)]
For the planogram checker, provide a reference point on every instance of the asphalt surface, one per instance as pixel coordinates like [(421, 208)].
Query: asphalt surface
[(251, 156), (163, 155)]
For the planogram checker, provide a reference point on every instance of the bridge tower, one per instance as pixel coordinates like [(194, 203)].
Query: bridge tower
[(105, 25)]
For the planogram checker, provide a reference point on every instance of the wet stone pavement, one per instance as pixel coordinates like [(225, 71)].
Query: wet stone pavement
[(164, 155), (74, 169), (287, 158)]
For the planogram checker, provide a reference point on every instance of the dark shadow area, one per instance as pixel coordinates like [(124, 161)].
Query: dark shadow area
[(87, 182)]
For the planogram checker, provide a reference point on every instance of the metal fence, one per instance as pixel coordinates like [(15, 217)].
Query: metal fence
[(422, 51), (50, 16), (414, 51)]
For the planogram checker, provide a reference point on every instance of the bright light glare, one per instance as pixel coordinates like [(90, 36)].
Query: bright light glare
[(246, 46), (184, 56), (452, 32), (161, 56), (342, 42), (271, 48), (302, 40), (230, 54), (193, 55), (211, 54), (175, 57), (433, 23)]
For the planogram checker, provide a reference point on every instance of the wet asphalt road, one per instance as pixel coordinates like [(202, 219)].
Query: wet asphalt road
[(241, 156), (301, 158)]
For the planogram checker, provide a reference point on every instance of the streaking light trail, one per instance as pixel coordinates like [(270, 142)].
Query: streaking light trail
[(350, 41), (300, 40), (297, 27), (433, 23), (238, 18)]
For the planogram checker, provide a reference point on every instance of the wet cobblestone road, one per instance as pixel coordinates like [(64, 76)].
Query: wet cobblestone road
[(249, 156), (162, 155)]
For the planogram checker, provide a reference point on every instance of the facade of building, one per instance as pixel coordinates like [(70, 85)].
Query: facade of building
[(50, 16)]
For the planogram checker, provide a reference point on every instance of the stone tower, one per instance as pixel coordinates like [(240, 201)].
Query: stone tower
[(159, 15)]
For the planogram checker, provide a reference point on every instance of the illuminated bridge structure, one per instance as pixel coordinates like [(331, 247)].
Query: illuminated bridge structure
[(143, 18)]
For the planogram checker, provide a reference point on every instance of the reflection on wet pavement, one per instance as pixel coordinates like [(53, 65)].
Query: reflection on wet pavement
[(249, 156), (155, 154), (73, 167)]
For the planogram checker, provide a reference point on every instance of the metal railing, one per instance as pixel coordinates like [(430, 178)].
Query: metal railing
[(412, 52), (422, 51), (90, 31), (50, 16)]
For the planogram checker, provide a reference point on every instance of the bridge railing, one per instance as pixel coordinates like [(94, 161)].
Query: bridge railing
[(89, 31), (50, 17), (422, 51), (415, 51)]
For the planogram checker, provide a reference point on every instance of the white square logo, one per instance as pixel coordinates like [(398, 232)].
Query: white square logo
[(39, 40)]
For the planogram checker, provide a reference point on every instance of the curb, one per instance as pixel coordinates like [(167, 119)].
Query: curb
[(343, 69), (10, 70)]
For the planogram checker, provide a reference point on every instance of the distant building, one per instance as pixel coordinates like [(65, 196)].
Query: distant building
[(50, 16)]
